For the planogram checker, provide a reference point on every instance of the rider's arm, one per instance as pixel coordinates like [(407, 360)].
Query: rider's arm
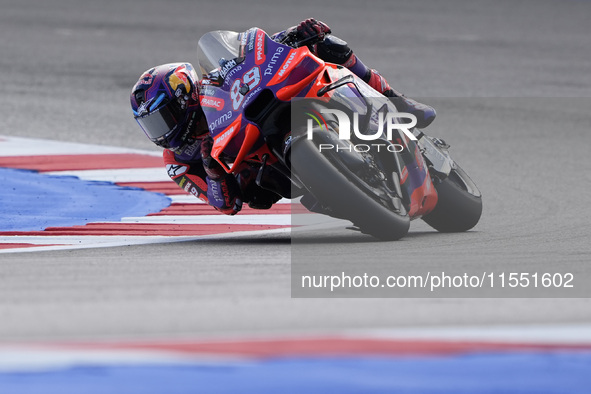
[(316, 35), (205, 179), (189, 177), (223, 192)]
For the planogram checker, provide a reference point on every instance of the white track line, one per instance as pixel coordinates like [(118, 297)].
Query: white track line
[(30, 357), (190, 199), (33, 358), (108, 241), (272, 219), (560, 334), (17, 146), (155, 174)]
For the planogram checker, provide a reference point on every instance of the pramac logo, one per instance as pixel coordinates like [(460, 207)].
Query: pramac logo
[(260, 48), (212, 102)]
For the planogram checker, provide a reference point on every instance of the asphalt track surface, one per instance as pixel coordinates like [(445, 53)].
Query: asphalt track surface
[(511, 82)]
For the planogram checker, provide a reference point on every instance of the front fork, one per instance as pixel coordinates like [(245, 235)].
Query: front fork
[(436, 154)]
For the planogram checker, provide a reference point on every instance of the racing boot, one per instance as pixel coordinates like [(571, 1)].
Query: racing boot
[(425, 114), (256, 196)]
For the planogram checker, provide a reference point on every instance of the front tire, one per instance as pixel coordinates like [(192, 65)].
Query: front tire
[(334, 189)]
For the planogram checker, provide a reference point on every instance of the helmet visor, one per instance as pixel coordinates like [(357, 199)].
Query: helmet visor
[(159, 123)]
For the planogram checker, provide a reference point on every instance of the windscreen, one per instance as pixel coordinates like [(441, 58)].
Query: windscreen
[(217, 45)]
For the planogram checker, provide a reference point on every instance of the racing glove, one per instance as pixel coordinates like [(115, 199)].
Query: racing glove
[(223, 192), (309, 32)]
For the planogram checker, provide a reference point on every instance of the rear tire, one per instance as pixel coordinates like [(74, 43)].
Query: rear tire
[(459, 204)]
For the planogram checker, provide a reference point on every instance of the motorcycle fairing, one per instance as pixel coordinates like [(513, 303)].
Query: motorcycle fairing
[(239, 67)]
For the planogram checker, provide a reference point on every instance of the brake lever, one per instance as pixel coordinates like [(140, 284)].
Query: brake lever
[(297, 44)]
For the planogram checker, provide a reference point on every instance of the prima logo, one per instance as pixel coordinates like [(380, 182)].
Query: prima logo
[(221, 120), (273, 61), (346, 129)]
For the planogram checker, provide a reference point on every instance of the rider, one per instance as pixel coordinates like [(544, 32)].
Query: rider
[(177, 123)]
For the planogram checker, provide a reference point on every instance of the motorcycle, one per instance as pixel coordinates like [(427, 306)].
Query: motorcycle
[(261, 98)]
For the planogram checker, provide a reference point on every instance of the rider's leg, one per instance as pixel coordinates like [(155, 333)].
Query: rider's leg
[(333, 49)]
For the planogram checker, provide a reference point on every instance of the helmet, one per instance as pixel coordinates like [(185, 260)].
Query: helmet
[(165, 103)]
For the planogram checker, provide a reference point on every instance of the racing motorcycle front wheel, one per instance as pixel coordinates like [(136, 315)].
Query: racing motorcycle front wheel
[(339, 181)]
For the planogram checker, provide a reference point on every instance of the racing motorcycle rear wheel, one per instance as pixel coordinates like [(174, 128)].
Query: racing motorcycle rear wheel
[(459, 203)]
